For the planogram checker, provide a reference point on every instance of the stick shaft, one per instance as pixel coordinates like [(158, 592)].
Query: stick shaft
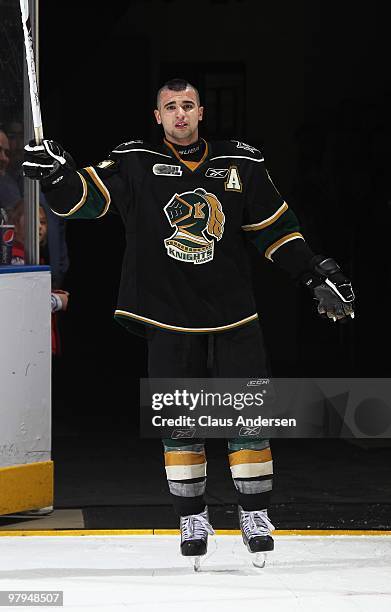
[(34, 97)]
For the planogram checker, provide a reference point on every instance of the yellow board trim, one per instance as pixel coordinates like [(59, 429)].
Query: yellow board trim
[(26, 487), (227, 532)]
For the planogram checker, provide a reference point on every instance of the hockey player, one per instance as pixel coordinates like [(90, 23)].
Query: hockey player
[(188, 206)]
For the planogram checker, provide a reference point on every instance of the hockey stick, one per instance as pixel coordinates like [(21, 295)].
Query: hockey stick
[(28, 43)]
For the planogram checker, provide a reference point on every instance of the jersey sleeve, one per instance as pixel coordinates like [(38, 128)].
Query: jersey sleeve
[(89, 193), (267, 220)]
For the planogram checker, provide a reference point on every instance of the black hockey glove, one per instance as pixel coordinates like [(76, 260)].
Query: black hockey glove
[(47, 162), (331, 288)]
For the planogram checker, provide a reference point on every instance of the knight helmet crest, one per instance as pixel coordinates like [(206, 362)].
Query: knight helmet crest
[(198, 218)]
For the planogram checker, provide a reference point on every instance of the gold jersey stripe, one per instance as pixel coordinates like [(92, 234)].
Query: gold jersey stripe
[(276, 245), (80, 203), (252, 470), (266, 222), (250, 456), (99, 184), (196, 330), (179, 458)]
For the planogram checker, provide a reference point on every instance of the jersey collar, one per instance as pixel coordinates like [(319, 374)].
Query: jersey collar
[(191, 165)]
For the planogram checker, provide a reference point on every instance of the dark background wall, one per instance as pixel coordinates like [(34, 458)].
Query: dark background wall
[(309, 83)]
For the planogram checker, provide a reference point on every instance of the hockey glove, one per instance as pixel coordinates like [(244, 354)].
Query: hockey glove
[(46, 162), (331, 288)]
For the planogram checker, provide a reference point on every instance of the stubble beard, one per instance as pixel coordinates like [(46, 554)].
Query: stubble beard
[(188, 135)]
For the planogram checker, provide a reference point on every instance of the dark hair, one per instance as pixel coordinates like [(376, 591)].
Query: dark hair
[(17, 212), (177, 85)]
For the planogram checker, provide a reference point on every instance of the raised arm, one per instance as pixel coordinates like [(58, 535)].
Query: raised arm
[(74, 194)]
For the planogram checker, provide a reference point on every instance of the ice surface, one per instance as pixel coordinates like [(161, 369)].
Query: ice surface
[(147, 573)]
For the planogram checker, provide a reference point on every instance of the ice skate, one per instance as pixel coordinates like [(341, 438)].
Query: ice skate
[(256, 528), (194, 536)]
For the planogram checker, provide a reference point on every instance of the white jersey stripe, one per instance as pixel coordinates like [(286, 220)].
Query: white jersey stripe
[(145, 150), (236, 157)]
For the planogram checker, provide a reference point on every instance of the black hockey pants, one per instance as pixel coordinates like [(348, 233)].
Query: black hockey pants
[(238, 353)]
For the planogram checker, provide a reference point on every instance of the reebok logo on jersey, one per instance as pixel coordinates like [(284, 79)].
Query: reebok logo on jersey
[(196, 216), (220, 173), (166, 170)]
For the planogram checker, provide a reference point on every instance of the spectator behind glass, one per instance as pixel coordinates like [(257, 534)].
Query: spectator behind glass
[(59, 298), (9, 191), (57, 252), (15, 134)]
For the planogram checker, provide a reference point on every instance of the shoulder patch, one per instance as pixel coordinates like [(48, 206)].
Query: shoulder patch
[(106, 163), (243, 146), (127, 146), (235, 149), (138, 146)]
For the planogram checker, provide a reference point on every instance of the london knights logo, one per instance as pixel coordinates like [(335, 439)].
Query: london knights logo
[(196, 216)]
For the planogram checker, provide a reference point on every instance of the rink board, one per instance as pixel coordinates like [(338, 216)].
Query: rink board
[(26, 469), (303, 574), (26, 486)]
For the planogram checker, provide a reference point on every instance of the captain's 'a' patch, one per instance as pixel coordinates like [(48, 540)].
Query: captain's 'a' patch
[(233, 182)]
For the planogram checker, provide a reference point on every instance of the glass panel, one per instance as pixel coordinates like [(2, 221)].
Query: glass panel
[(11, 105)]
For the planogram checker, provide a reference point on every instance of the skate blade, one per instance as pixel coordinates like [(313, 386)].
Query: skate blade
[(196, 563), (259, 559)]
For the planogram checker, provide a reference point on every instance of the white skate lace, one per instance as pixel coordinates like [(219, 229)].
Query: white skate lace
[(195, 526), (256, 523)]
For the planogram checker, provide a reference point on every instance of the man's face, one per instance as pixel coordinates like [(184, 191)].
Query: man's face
[(4, 153), (179, 113), (43, 226)]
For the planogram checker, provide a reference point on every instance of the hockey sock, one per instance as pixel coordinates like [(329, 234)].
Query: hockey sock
[(252, 471), (186, 474)]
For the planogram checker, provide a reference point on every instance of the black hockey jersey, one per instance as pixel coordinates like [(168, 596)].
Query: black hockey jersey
[(185, 267)]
